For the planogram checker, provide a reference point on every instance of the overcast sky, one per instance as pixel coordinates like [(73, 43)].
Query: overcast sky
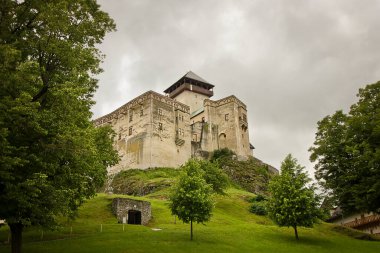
[(291, 62)]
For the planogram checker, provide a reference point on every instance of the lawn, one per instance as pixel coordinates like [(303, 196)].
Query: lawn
[(231, 229)]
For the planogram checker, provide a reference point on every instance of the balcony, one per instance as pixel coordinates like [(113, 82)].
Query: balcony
[(192, 88)]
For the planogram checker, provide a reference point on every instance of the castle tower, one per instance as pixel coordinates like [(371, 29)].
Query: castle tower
[(191, 90)]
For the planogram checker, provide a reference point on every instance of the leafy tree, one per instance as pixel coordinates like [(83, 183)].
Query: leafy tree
[(292, 203), (191, 197), (214, 176), (347, 153), (52, 158)]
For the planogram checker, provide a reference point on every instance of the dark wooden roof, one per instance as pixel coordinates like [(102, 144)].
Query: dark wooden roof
[(191, 78)]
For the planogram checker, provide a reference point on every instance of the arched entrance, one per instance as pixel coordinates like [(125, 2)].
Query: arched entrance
[(134, 217), (222, 141)]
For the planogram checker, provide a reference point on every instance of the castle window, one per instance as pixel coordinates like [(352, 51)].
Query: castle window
[(159, 112), (160, 126), (226, 117), (195, 137), (141, 112), (130, 116), (130, 131), (244, 117)]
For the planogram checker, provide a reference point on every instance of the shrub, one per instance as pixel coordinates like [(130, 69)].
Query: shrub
[(260, 198), (223, 153), (258, 208)]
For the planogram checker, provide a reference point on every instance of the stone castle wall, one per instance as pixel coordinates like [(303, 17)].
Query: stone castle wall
[(157, 131), (147, 132)]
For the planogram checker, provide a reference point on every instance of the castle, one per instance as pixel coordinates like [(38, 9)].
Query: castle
[(155, 130)]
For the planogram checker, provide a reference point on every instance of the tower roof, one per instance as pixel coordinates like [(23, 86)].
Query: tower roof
[(191, 78), (192, 75)]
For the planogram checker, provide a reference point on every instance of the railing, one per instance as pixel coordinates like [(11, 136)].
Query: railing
[(363, 221)]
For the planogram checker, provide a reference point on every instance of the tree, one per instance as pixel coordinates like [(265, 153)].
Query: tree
[(347, 153), (214, 176), (292, 203), (52, 157), (191, 197)]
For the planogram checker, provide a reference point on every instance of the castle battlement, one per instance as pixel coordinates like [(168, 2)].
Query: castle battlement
[(122, 110)]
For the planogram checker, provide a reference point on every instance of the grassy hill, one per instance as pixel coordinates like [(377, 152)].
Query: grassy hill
[(232, 229), (251, 175)]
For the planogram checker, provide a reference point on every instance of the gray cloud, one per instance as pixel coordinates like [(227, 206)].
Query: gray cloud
[(291, 62)]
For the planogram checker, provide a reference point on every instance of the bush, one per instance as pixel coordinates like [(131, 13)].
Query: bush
[(258, 208), (260, 198), (223, 153)]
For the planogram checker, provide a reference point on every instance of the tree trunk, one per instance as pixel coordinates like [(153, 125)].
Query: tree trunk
[(296, 232), (191, 229), (16, 237)]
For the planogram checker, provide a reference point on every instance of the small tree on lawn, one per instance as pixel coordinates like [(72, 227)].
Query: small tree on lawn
[(292, 202), (191, 197)]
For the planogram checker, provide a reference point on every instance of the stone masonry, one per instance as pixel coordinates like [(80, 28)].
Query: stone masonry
[(121, 207)]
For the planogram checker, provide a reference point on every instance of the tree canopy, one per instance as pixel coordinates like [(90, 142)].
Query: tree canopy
[(51, 156), (191, 197), (292, 202), (214, 176), (347, 153)]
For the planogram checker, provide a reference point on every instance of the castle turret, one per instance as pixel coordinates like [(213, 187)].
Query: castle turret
[(191, 90)]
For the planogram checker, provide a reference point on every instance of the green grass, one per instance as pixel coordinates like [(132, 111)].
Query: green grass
[(232, 229), (142, 182)]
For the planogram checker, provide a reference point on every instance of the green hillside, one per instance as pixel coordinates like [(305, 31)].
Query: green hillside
[(231, 229), (251, 175)]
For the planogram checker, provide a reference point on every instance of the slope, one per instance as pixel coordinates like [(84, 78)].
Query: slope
[(231, 229)]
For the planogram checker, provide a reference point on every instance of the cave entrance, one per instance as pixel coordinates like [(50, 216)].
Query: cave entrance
[(134, 217)]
